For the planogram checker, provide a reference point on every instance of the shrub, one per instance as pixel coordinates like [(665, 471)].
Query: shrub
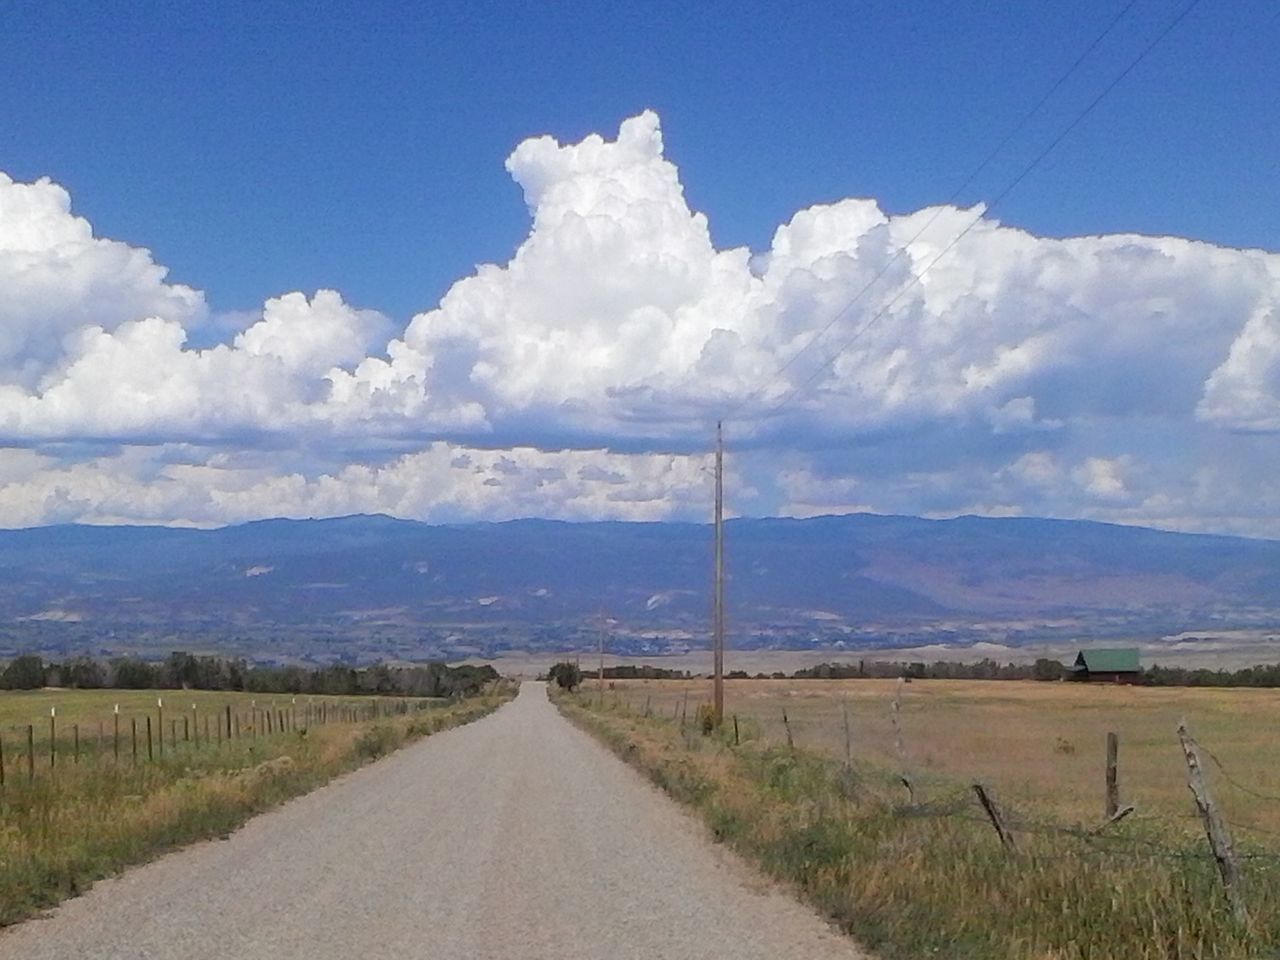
[(706, 719), (377, 741), (566, 675)]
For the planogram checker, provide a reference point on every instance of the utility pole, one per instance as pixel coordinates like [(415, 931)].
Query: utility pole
[(600, 675), (717, 641)]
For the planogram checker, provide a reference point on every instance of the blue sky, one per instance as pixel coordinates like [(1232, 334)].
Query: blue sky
[(257, 148), (476, 261)]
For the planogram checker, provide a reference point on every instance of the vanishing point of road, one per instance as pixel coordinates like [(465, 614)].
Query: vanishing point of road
[(517, 836)]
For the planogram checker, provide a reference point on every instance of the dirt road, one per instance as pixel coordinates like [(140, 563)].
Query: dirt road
[(514, 837)]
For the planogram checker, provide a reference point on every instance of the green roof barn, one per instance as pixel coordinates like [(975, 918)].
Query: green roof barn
[(1112, 665)]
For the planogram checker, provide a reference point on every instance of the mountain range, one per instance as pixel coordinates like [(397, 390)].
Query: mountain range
[(372, 585)]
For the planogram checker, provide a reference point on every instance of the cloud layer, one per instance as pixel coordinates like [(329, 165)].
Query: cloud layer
[(1121, 377)]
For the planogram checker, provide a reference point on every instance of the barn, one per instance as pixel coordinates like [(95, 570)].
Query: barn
[(1106, 665)]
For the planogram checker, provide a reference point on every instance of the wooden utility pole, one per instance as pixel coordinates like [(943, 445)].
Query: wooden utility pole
[(718, 628), (600, 673)]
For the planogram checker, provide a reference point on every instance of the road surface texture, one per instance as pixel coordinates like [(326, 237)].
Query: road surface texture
[(517, 836)]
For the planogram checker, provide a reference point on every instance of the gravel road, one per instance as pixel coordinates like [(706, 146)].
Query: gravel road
[(516, 836)]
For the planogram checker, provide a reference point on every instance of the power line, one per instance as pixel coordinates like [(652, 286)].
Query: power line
[(901, 251), (1025, 172)]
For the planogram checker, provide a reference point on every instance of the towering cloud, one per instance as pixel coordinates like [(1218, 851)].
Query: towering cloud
[(1092, 376)]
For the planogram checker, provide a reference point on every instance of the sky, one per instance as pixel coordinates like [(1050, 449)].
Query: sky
[(481, 261)]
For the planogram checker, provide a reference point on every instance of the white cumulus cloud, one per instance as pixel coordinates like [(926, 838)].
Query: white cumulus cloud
[(1080, 376)]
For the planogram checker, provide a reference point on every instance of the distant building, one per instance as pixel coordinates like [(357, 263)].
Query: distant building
[(1114, 665)]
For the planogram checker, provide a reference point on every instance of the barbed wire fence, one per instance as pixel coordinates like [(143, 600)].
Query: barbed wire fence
[(130, 737), (1207, 834)]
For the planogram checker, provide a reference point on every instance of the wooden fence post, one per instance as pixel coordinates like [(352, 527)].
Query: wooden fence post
[(895, 715), (115, 734), (150, 754), (735, 730), (848, 735), (133, 724), (31, 752), (53, 737), (75, 744), (1214, 827), (1113, 787), (995, 816), (159, 725)]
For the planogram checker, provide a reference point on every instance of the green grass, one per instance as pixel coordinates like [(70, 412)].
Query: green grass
[(80, 822), (933, 881)]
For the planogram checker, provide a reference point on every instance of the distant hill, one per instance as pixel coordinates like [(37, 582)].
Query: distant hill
[(404, 586)]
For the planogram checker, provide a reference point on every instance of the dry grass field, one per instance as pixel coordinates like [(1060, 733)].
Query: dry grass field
[(93, 711), (1042, 746), (931, 879)]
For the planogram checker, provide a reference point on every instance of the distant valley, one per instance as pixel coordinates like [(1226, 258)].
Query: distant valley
[(365, 587)]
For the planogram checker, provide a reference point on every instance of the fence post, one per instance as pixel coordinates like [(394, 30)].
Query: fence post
[(75, 743), (133, 726), (53, 737), (1, 761), (848, 735), (896, 715), (1113, 788), (735, 730), (160, 724), (786, 725), (31, 752), (115, 734), (995, 816), (1214, 827), (150, 753), (228, 721)]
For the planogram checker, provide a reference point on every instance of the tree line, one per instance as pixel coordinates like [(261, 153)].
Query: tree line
[(1263, 675), (569, 674), (182, 670)]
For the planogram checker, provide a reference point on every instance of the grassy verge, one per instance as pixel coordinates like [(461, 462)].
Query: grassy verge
[(932, 880), (58, 834)]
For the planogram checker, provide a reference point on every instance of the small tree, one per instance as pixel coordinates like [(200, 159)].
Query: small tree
[(566, 675), (1046, 669), (23, 673)]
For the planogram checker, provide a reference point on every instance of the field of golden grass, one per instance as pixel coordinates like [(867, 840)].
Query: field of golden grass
[(1042, 746), (92, 711), (931, 879)]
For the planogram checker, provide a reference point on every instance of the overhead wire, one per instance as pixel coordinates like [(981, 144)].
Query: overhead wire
[(917, 277), (976, 172)]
